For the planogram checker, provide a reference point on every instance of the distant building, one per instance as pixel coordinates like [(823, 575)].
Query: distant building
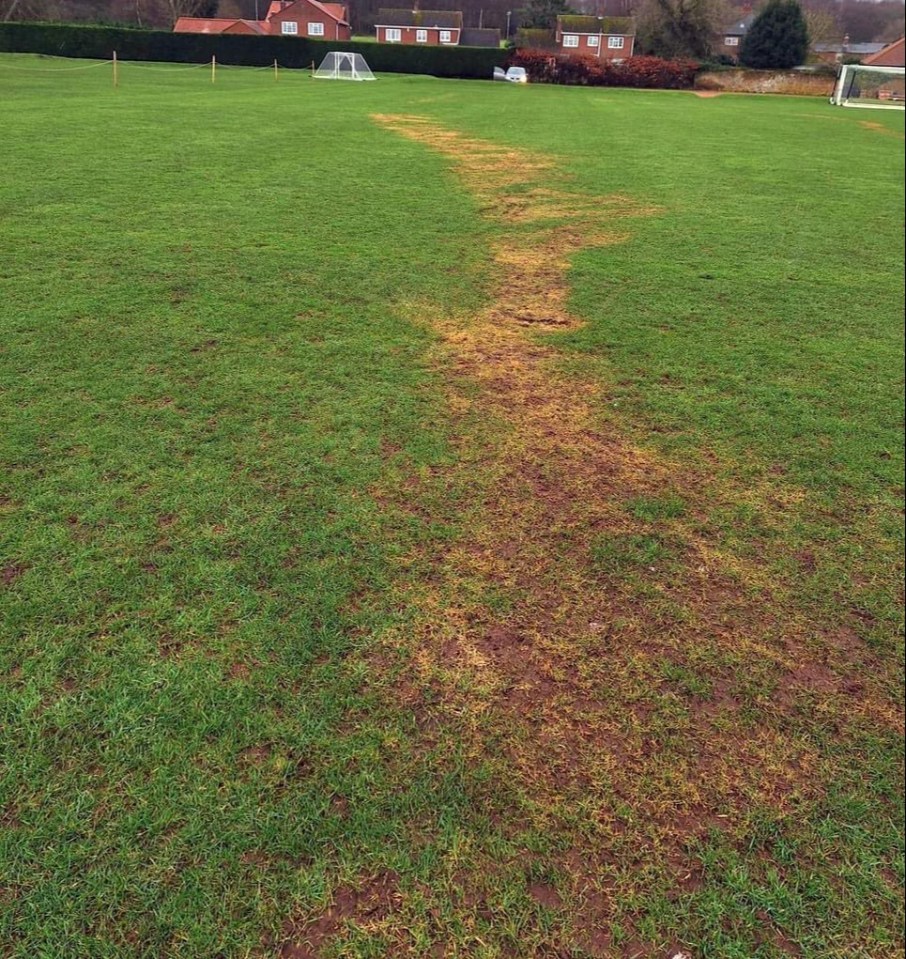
[(479, 37), (308, 18), (890, 56), (607, 38), (844, 50), (284, 18), (428, 27), (732, 36)]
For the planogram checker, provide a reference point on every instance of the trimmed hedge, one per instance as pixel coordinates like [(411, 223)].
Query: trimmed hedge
[(94, 42), (650, 73)]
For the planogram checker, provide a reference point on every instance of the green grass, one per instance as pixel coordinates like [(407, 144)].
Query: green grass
[(208, 385)]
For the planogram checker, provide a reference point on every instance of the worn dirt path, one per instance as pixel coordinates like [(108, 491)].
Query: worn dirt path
[(638, 674)]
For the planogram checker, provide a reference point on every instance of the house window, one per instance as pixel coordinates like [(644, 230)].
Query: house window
[(289, 27), (446, 36), (570, 40), (316, 29), (421, 36), (392, 35), (614, 43), (731, 41), (592, 41)]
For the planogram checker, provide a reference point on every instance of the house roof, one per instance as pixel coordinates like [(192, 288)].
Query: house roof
[(890, 56), (448, 19), (336, 11), (477, 37), (536, 39), (616, 26), (259, 26), (201, 25), (740, 27), (854, 48)]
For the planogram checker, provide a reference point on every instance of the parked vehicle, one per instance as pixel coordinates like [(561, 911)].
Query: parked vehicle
[(512, 75)]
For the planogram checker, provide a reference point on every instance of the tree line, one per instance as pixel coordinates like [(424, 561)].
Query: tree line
[(670, 28)]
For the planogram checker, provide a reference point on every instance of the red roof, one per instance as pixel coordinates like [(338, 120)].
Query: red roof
[(201, 25), (256, 26), (336, 11), (893, 55)]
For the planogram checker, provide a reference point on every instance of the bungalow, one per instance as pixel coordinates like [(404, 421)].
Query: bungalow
[(431, 27), (286, 18), (607, 38)]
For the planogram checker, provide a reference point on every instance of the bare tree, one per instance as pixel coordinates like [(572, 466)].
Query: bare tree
[(823, 26), (191, 8), (680, 28)]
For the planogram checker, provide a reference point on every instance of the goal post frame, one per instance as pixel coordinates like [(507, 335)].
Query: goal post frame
[(334, 64), (846, 79)]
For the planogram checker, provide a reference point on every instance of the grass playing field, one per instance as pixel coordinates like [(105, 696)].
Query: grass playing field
[(447, 519)]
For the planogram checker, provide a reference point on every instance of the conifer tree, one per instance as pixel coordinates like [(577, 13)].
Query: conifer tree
[(777, 39)]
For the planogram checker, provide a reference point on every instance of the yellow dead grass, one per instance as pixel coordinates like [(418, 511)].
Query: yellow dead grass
[(573, 671)]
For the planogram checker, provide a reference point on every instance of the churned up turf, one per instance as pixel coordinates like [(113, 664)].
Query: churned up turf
[(445, 519)]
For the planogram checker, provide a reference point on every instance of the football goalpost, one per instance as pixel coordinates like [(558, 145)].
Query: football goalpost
[(878, 87), (339, 65)]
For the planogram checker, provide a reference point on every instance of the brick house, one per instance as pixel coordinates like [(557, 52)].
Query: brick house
[(286, 18), (893, 55), (308, 18), (730, 39), (430, 27), (607, 38)]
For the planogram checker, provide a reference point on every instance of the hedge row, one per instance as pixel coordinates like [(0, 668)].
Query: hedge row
[(95, 42), (645, 72)]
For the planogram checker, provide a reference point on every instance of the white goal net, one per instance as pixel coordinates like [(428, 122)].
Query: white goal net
[(344, 66), (858, 86)]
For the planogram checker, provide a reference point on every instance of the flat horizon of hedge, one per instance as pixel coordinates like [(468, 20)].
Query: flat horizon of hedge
[(94, 42)]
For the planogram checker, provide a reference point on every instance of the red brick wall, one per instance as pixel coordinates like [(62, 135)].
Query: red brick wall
[(409, 35), (303, 14), (621, 54), (602, 50)]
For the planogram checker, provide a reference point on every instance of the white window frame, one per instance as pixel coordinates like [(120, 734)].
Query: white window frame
[(393, 35), (315, 29), (731, 41), (593, 41), (289, 28), (421, 36), (446, 36), (614, 43), (570, 40)]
